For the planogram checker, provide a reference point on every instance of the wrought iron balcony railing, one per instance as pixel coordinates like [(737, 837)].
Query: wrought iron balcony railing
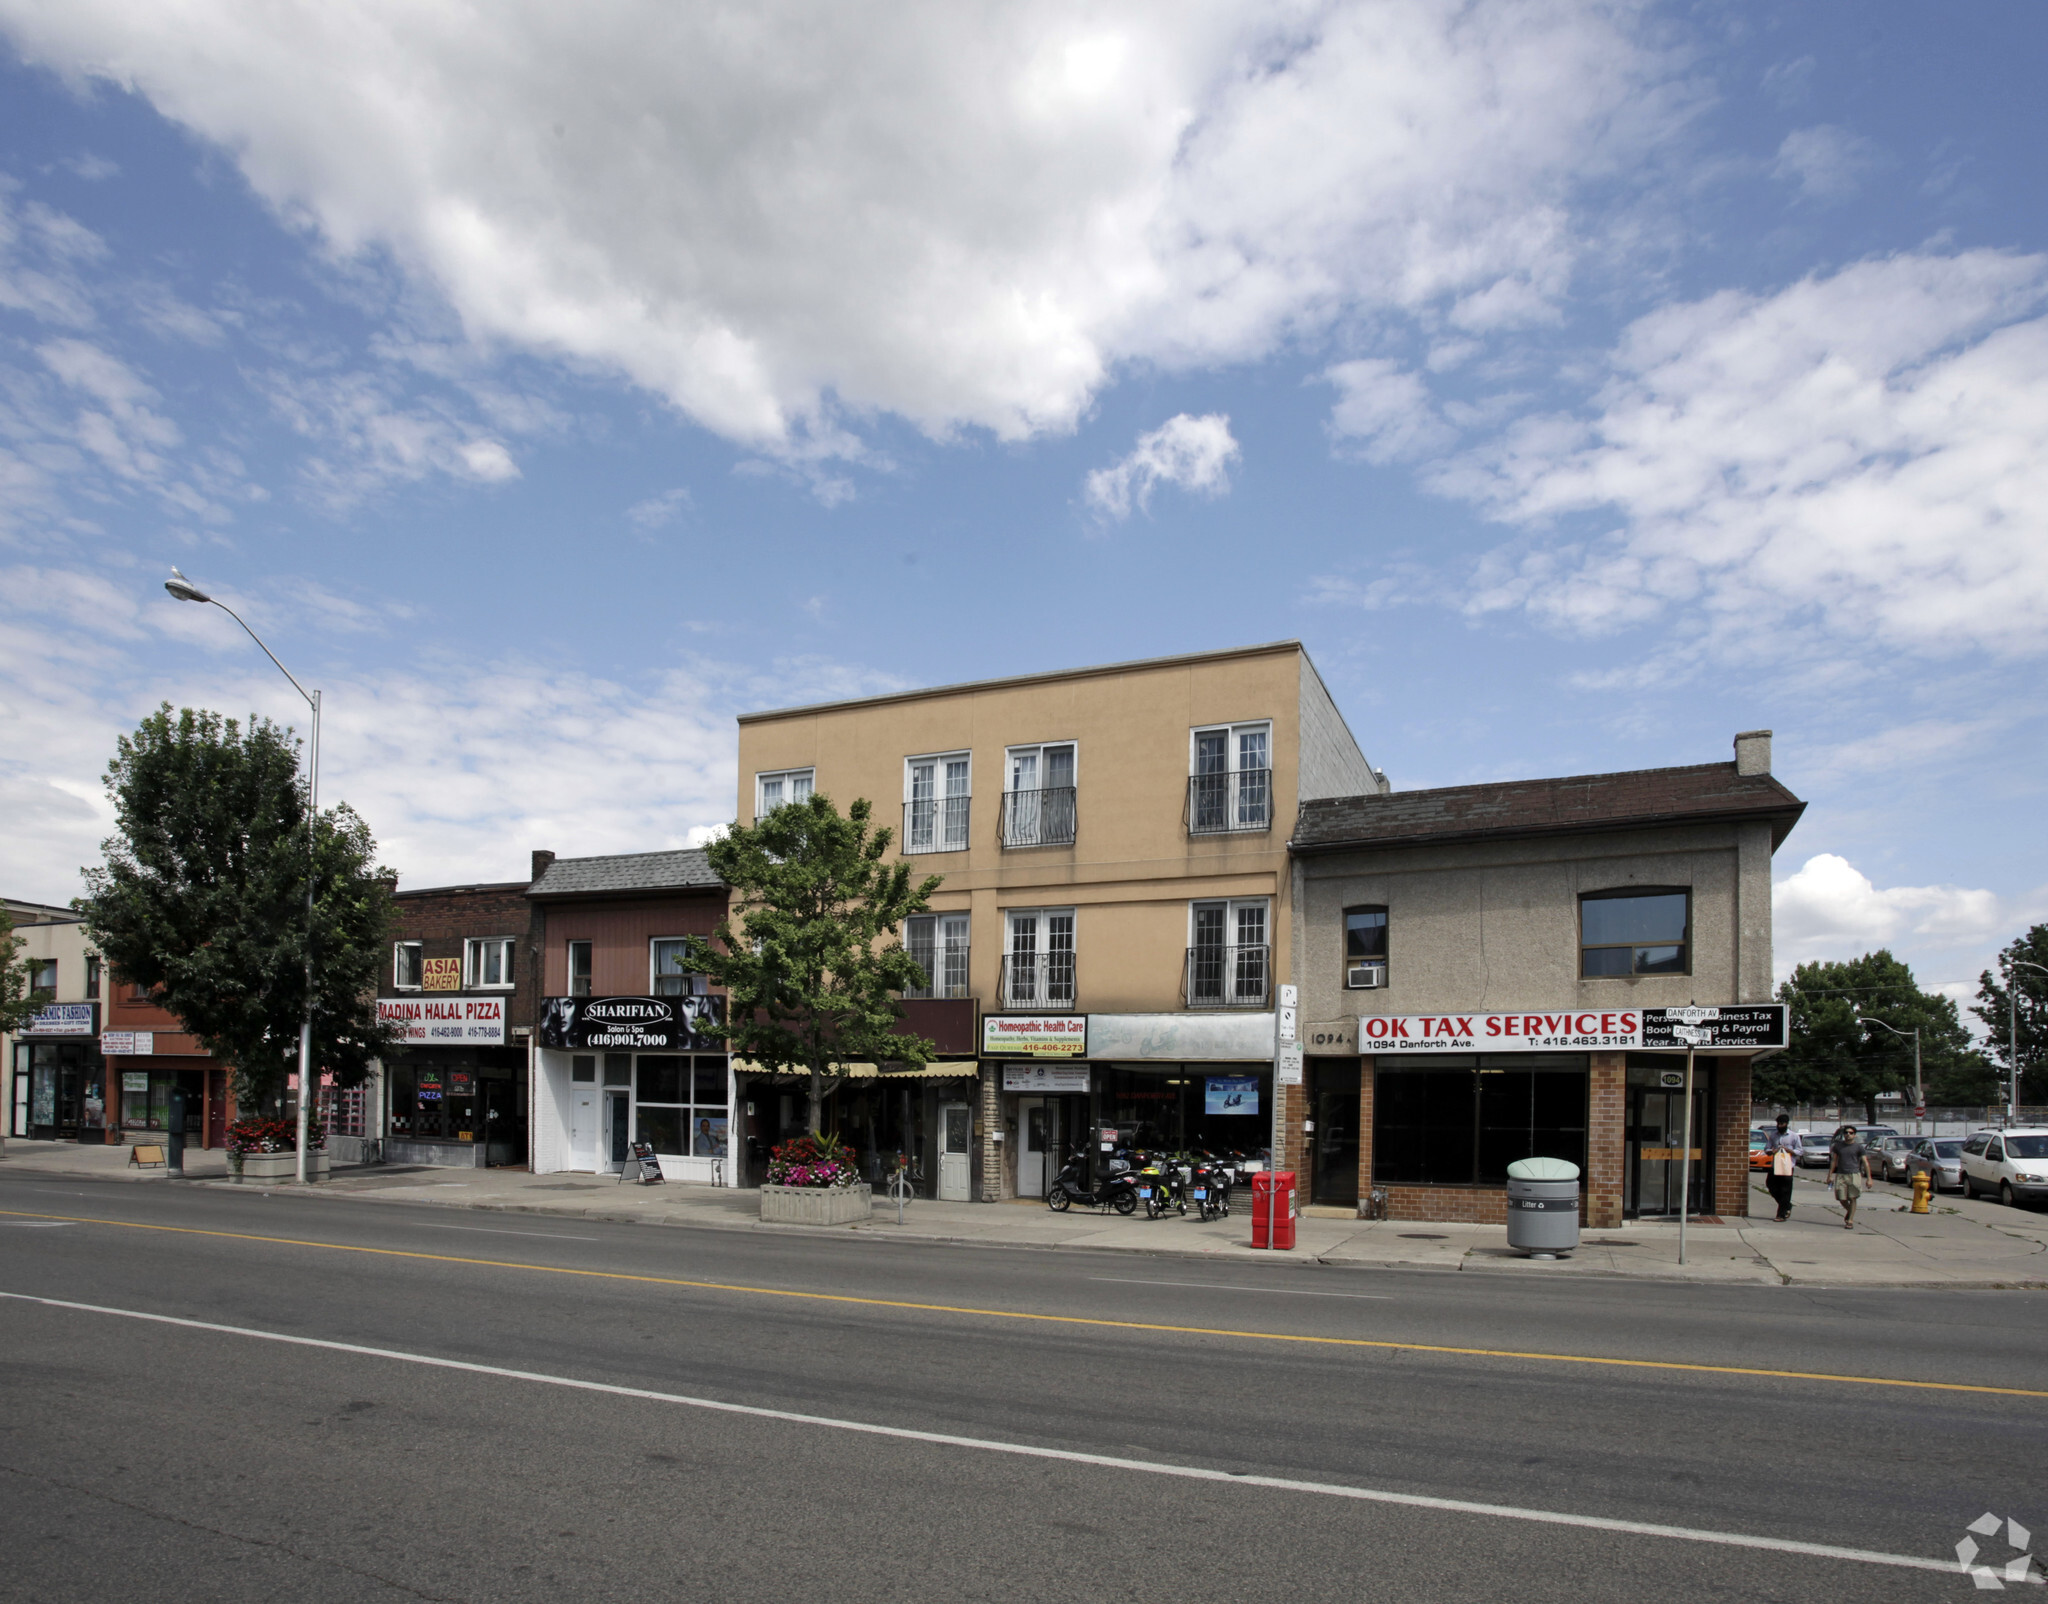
[(936, 824), (1043, 980), (1224, 804), (945, 966), (1228, 977), (1041, 818)]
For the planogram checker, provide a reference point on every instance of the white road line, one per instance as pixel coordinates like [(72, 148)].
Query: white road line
[(1369, 1495), (485, 1230), (1219, 1286), (39, 1225)]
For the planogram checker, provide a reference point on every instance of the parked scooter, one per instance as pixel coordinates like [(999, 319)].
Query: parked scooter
[(1209, 1187), (1119, 1192)]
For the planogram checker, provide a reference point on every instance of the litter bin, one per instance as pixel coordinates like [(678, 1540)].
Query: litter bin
[(1273, 1209), (1543, 1207)]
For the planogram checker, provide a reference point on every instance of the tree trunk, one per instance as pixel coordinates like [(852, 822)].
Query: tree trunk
[(817, 1102)]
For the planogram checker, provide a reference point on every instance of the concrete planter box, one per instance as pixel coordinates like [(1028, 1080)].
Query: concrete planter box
[(282, 1167), (817, 1205)]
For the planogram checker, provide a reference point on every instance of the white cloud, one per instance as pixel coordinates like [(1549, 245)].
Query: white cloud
[(1867, 450), (1193, 453), (967, 214), (1825, 163), (1387, 411), (1828, 909)]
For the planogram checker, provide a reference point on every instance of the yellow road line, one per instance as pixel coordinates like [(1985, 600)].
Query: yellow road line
[(1051, 1319)]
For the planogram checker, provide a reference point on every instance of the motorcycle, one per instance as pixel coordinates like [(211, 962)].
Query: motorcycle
[(1209, 1187), (1119, 1192)]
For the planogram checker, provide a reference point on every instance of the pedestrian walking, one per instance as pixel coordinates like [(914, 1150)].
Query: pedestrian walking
[(1784, 1147), (1848, 1172)]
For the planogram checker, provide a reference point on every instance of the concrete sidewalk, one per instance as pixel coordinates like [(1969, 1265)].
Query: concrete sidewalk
[(1959, 1244)]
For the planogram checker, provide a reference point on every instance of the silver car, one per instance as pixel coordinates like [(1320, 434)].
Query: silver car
[(1888, 1157), (1813, 1150), (1942, 1158)]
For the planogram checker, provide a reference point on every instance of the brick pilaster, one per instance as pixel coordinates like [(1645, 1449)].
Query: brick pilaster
[(1606, 1122), (1365, 1092), (1293, 1152), (1731, 1137), (994, 1183)]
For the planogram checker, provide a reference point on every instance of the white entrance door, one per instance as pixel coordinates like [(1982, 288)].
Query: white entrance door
[(1034, 1124), (582, 1127), (615, 1143), (955, 1132)]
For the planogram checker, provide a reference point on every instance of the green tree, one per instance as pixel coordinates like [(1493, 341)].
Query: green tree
[(15, 1002), (201, 899), (1834, 1056), (812, 969), (1995, 996)]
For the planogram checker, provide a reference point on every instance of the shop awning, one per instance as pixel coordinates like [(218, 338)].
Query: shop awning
[(951, 1070)]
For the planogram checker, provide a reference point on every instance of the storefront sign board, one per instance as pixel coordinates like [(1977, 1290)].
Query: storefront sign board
[(1750, 1027), (1335, 1036), (441, 974), (127, 1043), (1045, 1079), (632, 1024), (59, 1019), (1225, 1036), (457, 1021), (1034, 1035)]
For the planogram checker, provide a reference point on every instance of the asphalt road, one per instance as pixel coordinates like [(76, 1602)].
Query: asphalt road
[(141, 1459)]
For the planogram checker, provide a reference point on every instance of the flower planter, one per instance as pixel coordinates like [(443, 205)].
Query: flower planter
[(817, 1205), (280, 1166)]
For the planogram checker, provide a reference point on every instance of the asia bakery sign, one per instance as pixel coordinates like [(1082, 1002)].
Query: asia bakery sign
[(1743, 1027), (446, 1021)]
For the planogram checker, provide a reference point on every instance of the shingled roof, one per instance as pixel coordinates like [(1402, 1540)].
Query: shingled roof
[(626, 872), (1581, 802)]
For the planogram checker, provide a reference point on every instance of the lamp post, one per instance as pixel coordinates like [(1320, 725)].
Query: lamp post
[(182, 588), (1919, 1096), (2012, 1000)]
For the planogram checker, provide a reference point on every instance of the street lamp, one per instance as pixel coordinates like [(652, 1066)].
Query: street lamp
[(182, 588), (2012, 999), (1919, 1096)]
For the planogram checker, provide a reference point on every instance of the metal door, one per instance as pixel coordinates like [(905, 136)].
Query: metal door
[(1034, 1129), (1656, 1133), (1333, 1148), (955, 1139)]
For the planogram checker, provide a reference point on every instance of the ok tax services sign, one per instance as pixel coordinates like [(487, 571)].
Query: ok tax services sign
[(439, 1021), (1744, 1027)]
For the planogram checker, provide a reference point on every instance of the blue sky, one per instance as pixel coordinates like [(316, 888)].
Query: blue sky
[(1582, 382)]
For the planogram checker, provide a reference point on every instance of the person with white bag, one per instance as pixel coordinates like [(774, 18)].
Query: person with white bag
[(1784, 1150)]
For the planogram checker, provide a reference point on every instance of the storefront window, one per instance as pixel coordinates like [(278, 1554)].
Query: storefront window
[(1189, 1108), (434, 1103), (680, 1105), (1462, 1121)]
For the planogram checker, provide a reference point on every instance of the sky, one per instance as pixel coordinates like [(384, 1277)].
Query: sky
[(1581, 382)]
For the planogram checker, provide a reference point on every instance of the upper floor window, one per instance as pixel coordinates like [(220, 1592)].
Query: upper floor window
[(1230, 779), (407, 965), (137, 992), (42, 978), (671, 978), (487, 963), (936, 795), (1038, 795), (1229, 961), (1038, 963), (92, 974), (1365, 947), (579, 969), (938, 943), (785, 785), (1645, 930)]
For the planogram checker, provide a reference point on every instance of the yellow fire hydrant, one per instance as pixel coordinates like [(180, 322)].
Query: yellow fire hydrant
[(1923, 1184)]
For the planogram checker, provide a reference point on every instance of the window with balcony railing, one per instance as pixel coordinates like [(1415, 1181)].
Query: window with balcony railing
[(938, 944), (1229, 961), (1038, 965), (1039, 807), (1231, 786), (935, 816)]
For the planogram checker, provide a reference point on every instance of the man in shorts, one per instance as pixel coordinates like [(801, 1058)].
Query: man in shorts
[(1848, 1172)]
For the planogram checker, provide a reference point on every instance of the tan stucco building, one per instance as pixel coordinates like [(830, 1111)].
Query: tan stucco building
[(1481, 971), (1116, 913)]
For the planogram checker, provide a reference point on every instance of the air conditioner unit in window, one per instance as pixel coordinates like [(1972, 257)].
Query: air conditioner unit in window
[(1366, 977)]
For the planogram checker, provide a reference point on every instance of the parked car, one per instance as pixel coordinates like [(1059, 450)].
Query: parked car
[(2012, 1163), (1941, 1157), (1759, 1151), (1872, 1135), (1888, 1157), (1813, 1150)]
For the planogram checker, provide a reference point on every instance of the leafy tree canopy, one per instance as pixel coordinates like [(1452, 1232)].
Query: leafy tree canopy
[(1995, 996), (202, 899), (15, 1002), (1836, 1055), (815, 962)]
